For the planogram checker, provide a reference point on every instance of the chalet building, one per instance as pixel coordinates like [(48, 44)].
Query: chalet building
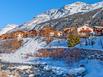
[(32, 33), (58, 33), (84, 31), (52, 33), (5, 36), (20, 37), (70, 30), (98, 30), (18, 33), (67, 30), (47, 31)]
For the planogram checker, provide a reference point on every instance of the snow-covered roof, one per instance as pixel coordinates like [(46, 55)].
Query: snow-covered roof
[(85, 26), (98, 26)]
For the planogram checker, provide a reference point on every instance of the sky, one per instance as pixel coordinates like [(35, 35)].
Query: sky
[(20, 11)]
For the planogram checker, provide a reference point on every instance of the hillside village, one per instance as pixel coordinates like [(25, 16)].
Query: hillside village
[(80, 37), (83, 31), (49, 33), (67, 45)]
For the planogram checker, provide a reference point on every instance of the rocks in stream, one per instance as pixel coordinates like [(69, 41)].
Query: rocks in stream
[(38, 70)]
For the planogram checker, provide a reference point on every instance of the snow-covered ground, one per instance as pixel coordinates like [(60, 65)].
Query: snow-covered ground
[(30, 46), (93, 67), (58, 43), (62, 43), (59, 64), (98, 43)]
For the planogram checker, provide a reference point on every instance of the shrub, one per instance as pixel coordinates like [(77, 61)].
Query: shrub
[(73, 40)]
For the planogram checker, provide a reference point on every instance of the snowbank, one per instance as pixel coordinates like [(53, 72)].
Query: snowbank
[(58, 43), (93, 67), (97, 46), (77, 71)]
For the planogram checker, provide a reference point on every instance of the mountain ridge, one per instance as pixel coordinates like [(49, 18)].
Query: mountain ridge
[(67, 10), (74, 8)]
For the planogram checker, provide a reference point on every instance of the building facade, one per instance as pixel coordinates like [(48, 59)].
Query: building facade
[(84, 31)]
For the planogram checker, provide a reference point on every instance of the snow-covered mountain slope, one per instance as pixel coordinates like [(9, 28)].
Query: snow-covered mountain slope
[(97, 18), (77, 7), (36, 20), (7, 28), (98, 5), (30, 46)]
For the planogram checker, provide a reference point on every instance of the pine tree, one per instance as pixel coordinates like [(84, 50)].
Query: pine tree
[(73, 40)]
